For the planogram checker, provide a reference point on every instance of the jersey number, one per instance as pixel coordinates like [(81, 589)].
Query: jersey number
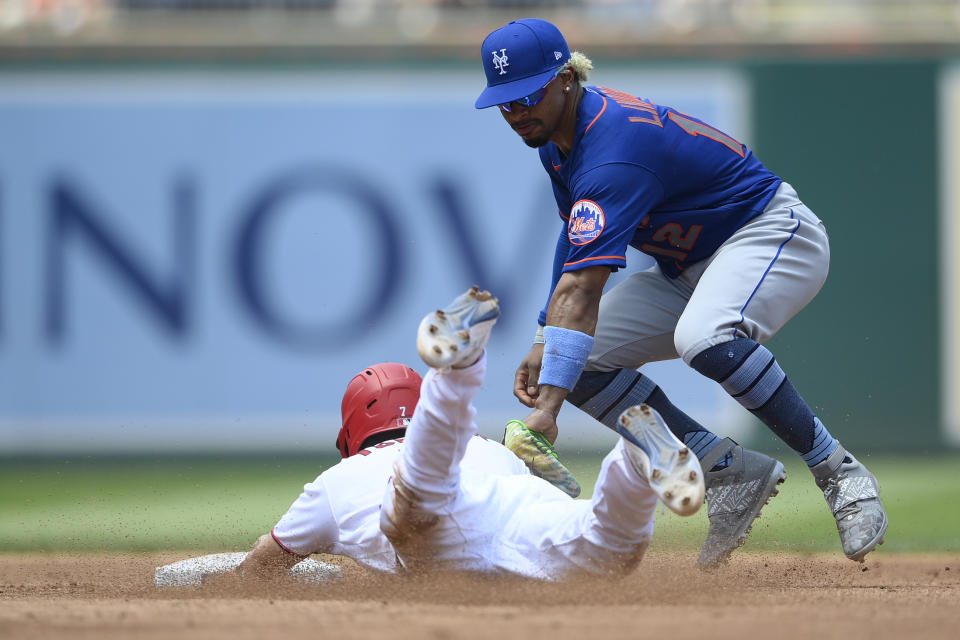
[(673, 234)]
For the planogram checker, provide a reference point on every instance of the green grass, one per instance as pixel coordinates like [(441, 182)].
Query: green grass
[(204, 503), (146, 504)]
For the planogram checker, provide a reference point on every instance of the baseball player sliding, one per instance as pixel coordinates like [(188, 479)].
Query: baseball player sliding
[(418, 489), (737, 255)]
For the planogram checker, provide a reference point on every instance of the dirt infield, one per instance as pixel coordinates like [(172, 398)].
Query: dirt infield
[(771, 596)]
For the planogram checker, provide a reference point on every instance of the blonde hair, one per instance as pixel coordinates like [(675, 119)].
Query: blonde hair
[(581, 65)]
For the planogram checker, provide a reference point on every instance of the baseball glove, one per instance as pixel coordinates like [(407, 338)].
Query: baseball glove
[(539, 456)]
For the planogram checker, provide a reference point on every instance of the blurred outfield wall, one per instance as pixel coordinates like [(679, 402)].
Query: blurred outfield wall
[(195, 259), (204, 259)]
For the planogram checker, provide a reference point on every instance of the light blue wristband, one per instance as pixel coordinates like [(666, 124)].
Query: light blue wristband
[(565, 353)]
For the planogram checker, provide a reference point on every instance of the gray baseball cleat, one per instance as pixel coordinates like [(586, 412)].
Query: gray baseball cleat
[(456, 335), (735, 496), (853, 495), (668, 465)]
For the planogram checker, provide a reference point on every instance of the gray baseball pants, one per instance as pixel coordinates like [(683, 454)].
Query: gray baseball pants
[(757, 280)]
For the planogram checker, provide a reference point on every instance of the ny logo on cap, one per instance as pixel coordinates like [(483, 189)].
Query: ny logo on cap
[(500, 61)]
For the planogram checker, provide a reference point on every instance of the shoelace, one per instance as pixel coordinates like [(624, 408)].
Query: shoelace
[(833, 486), (542, 444), (539, 441)]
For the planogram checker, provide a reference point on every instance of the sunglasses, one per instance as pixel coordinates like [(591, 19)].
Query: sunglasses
[(534, 98)]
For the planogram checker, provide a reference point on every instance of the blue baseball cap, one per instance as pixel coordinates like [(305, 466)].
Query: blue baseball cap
[(520, 58)]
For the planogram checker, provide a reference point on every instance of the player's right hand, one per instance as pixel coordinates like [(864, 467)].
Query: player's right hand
[(526, 382)]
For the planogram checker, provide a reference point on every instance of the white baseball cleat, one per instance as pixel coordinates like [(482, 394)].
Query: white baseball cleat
[(456, 335), (668, 465)]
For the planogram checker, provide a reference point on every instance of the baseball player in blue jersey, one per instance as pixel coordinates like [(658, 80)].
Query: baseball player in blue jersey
[(737, 255)]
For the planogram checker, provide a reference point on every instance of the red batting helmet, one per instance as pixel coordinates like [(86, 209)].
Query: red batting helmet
[(379, 398)]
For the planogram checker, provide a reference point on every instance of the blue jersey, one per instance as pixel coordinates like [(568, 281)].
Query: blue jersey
[(650, 177)]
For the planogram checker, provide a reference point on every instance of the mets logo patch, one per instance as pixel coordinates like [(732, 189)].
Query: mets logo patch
[(586, 222)]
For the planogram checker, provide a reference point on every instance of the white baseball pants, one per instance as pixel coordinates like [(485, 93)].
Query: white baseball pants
[(461, 502)]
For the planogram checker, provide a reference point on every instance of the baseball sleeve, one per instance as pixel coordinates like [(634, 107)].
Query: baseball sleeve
[(559, 257), (611, 202), (308, 526)]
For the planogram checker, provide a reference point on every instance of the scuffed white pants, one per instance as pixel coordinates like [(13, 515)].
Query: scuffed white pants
[(460, 502)]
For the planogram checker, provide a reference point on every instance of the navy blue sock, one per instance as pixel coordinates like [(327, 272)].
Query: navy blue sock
[(823, 445), (749, 372), (606, 394), (701, 442)]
